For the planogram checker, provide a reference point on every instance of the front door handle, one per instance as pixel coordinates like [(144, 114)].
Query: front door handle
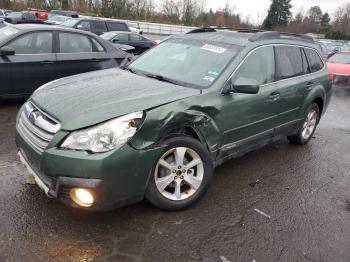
[(94, 60), (274, 96)]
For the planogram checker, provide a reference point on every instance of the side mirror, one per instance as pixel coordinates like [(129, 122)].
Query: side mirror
[(242, 85), (115, 40), (7, 51), (247, 89)]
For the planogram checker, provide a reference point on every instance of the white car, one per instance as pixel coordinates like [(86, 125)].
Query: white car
[(135, 27)]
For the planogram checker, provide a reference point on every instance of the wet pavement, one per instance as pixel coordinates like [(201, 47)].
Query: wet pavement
[(304, 189)]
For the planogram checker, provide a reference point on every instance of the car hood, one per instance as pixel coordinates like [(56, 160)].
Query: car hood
[(87, 99), (338, 69)]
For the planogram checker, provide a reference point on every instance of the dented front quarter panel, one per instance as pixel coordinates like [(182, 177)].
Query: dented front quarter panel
[(197, 112)]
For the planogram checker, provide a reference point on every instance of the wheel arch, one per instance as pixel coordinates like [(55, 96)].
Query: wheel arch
[(316, 95)]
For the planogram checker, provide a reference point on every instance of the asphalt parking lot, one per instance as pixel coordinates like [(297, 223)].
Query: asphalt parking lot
[(304, 190)]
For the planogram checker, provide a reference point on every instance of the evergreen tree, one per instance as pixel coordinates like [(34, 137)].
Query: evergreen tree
[(279, 14), (325, 23)]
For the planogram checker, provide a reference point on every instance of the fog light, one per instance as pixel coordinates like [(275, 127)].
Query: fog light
[(82, 197)]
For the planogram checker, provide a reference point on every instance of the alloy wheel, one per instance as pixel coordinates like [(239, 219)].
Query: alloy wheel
[(179, 173), (309, 124)]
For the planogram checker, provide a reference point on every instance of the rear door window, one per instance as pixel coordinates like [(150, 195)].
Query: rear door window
[(257, 69), (33, 43), (117, 26), (98, 26), (315, 60), (289, 62), (84, 25), (74, 43)]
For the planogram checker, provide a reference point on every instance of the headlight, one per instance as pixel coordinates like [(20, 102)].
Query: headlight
[(106, 136)]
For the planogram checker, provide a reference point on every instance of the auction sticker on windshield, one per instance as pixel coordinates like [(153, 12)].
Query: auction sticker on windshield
[(214, 48)]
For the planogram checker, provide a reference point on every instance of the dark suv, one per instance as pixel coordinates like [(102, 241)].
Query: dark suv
[(159, 127), (96, 26)]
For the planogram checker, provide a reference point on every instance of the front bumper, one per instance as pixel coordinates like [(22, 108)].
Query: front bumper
[(116, 178)]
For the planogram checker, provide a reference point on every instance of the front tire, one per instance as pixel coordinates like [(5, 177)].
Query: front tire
[(308, 127), (181, 175)]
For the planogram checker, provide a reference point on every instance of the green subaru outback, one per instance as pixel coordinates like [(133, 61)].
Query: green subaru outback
[(156, 128)]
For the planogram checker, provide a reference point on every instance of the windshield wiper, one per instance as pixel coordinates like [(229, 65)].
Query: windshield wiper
[(163, 79), (128, 69)]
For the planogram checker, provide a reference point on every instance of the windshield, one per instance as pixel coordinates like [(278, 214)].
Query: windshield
[(6, 32), (58, 18), (193, 63), (70, 22), (340, 58), (15, 14), (108, 36)]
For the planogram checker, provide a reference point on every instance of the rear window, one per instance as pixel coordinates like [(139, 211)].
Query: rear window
[(289, 62), (340, 58), (315, 60), (117, 26)]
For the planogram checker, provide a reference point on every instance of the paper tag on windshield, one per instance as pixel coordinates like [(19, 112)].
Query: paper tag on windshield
[(214, 48)]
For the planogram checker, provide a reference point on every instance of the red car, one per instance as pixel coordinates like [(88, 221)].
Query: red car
[(40, 14), (339, 67)]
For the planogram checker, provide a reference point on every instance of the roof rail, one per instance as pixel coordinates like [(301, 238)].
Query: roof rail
[(303, 36), (265, 35), (241, 30), (259, 34), (201, 30)]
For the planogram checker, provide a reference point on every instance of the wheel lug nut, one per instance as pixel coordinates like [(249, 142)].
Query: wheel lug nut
[(179, 167), (182, 177), (184, 171), (174, 171)]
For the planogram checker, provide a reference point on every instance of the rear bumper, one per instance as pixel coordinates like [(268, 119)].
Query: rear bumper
[(340, 79)]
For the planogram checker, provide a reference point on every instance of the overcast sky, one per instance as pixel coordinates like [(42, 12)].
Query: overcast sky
[(257, 9)]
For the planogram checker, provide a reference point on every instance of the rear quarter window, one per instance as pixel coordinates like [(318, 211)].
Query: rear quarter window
[(289, 62), (315, 61)]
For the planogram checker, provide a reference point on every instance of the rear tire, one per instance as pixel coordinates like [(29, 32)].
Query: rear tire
[(308, 126), (181, 174)]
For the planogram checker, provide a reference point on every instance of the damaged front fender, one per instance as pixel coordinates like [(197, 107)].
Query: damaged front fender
[(173, 118)]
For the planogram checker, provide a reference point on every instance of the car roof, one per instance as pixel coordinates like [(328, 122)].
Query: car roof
[(38, 27), (122, 32)]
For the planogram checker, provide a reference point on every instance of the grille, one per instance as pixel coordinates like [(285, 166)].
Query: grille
[(36, 127)]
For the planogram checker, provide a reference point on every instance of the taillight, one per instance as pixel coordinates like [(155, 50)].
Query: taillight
[(154, 43), (331, 76), (130, 58)]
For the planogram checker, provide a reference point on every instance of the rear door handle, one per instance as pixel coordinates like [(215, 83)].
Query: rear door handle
[(274, 96), (47, 62), (95, 60)]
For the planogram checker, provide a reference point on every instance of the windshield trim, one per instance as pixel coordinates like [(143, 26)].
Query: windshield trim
[(191, 85)]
